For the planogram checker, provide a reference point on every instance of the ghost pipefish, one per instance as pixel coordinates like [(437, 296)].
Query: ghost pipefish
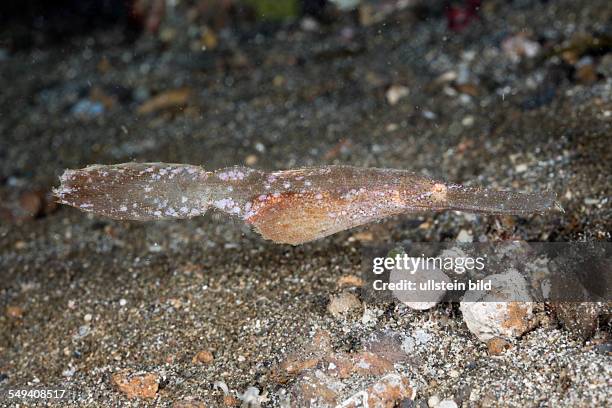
[(291, 206)]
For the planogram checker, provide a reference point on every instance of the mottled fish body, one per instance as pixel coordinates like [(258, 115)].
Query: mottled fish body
[(291, 206)]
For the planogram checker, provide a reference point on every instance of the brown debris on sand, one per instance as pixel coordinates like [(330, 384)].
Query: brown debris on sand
[(138, 385)]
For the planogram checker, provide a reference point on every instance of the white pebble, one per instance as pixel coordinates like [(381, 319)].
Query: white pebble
[(433, 401), (465, 236), (447, 404), (395, 93), (468, 121), (521, 168), (69, 372)]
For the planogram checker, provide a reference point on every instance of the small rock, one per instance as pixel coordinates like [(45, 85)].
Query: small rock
[(391, 127), (395, 93), (230, 401), (519, 46), (427, 114), (175, 303), (208, 39), (83, 331), (278, 81), (69, 372), (497, 345), (14, 312), (498, 313), (362, 237), (139, 385), (344, 304), (87, 108), (467, 90), (521, 168), (465, 236), (250, 160), (448, 76), (260, 147), (586, 74), (31, 202), (585, 70), (350, 281), (204, 357), (433, 401), (309, 24), (390, 391), (447, 404), (468, 121), (581, 319)]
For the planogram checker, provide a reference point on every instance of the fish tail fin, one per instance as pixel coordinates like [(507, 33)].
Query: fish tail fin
[(135, 191), (474, 199)]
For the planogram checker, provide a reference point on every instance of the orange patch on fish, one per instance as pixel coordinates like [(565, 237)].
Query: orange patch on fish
[(294, 218)]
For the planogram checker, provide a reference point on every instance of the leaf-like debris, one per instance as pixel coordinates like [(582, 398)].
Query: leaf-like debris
[(292, 206)]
